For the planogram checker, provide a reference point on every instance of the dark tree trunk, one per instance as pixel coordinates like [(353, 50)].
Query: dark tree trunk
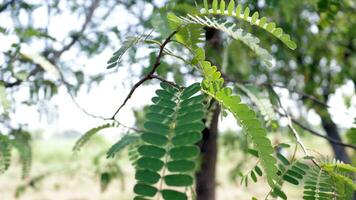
[(205, 177), (331, 130)]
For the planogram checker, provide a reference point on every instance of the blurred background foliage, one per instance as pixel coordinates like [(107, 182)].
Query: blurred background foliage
[(36, 64)]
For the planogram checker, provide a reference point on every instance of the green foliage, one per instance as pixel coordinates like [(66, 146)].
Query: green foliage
[(166, 151), (125, 141), (229, 28), (292, 172), (87, 135), (5, 153), (252, 19), (342, 178), (262, 102), (327, 181), (213, 86), (108, 171), (351, 135), (173, 126), (5, 102), (21, 142), (115, 59), (318, 185), (190, 34), (33, 183)]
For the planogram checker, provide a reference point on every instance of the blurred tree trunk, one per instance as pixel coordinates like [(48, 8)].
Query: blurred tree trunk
[(331, 130), (206, 176)]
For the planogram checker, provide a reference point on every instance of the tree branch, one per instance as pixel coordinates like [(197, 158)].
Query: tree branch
[(303, 94), (75, 38), (58, 54), (67, 86), (19, 81), (150, 75), (332, 140), (314, 132)]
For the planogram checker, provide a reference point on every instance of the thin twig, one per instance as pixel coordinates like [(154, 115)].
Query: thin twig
[(303, 94), (166, 81), (67, 86), (149, 75), (294, 131), (332, 140)]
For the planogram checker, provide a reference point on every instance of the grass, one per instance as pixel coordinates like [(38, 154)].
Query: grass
[(74, 177)]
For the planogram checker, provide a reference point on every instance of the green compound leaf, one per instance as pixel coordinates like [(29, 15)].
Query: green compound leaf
[(115, 59), (173, 125), (5, 153), (237, 33), (212, 85), (253, 20), (125, 141), (89, 134)]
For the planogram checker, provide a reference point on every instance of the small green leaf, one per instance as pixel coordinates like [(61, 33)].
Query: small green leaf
[(190, 117), (151, 151), (186, 139), (206, 6), (158, 128), (215, 6), (258, 170), (147, 176), (180, 166), (262, 21), (231, 7), (190, 91), (121, 144), (292, 45), (254, 17), (283, 159), (155, 139), (253, 152), (253, 176), (290, 179), (184, 152), (246, 13), (222, 6), (294, 174), (178, 180), (283, 145), (277, 32), (152, 164), (192, 127), (279, 193), (270, 26), (238, 10), (145, 190), (172, 194), (165, 94)]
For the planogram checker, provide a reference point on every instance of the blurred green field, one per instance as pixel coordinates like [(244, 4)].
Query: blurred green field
[(67, 176)]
